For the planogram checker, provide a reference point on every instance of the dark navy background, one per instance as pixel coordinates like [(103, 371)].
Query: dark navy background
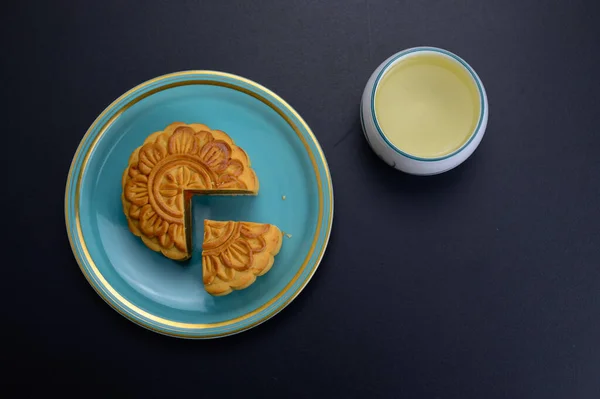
[(483, 282)]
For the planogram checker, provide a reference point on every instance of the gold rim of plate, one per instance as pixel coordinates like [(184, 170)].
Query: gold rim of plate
[(133, 312)]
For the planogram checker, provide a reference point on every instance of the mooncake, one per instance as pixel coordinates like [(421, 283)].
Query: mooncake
[(170, 167), (234, 253)]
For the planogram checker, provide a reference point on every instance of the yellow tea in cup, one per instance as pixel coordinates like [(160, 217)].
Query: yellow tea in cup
[(427, 105)]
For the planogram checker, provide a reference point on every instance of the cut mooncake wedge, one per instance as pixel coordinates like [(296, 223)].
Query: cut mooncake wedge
[(234, 253), (170, 167)]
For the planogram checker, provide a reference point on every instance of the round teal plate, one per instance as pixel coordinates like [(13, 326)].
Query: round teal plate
[(295, 194)]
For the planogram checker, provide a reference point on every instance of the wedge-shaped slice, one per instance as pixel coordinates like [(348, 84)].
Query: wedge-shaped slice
[(170, 167), (234, 253)]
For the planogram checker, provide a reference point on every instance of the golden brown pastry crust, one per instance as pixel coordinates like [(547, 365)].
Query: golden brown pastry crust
[(167, 169), (234, 253)]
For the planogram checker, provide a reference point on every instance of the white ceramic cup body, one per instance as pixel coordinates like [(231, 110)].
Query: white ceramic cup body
[(394, 156)]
